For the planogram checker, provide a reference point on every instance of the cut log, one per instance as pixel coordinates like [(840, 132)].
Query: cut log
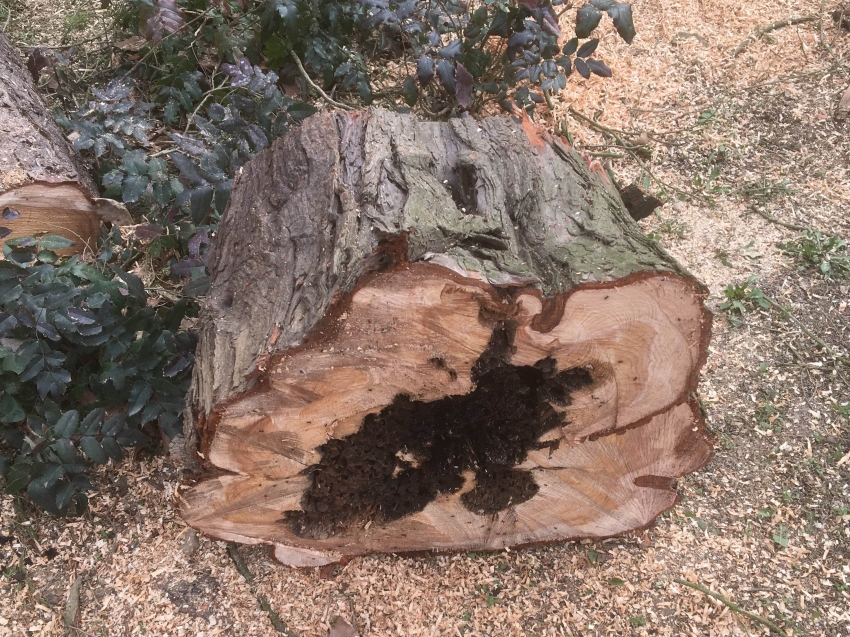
[(44, 188), (438, 336)]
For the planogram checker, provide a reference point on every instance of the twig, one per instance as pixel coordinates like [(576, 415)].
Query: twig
[(615, 134), (154, 47), (732, 606), (763, 31), (315, 86), (609, 155), (72, 606), (242, 567), (831, 352), (779, 222), (204, 98), (8, 17)]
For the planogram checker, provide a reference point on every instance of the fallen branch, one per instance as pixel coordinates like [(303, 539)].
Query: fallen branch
[(763, 31), (315, 86), (72, 607), (732, 606), (614, 134), (242, 567), (779, 222)]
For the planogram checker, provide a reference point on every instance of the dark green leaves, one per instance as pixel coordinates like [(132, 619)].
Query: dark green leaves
[(54, 242), (93, 449), (621, 14), (425, 69), (410, 92), (587, 19), (10, 410), (598, 67), (79, 343), (135, 287), (587, 48)]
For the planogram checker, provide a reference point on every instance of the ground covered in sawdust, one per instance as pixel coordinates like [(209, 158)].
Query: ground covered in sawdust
[(766, 524)]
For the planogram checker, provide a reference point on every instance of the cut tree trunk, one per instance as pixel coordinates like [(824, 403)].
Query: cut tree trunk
[(438, 336), (44, 188)]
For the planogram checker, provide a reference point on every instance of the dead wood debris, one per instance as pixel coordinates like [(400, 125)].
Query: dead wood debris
[(763, 31)]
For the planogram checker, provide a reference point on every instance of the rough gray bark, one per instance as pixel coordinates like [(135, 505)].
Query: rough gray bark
[(377, 281), (306, 216), (40, 174)]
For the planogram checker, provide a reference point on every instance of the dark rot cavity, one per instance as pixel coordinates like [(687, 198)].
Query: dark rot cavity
[(405, 456)]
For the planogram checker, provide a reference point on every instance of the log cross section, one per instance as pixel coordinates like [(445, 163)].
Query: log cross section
[(438, 336)]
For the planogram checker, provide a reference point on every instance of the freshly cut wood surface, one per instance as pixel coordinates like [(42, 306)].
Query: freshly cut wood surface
[(41, 177), (449, 379)]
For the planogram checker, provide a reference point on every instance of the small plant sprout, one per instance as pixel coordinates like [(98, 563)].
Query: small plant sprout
[(742, 298)]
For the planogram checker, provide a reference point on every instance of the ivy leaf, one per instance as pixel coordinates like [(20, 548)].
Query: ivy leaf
[(166, 17), (172, 111), (222, 194), (91, 423), (187, 168), (587, 19), (451, 50), (131, 438), (550, 23), (64, 494), (4, 232), (409, 91), (10, 214)]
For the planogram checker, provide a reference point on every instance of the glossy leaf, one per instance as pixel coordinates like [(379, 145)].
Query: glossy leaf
[(587, 19)]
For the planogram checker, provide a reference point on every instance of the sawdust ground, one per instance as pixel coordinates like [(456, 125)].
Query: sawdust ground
[(765, 524)]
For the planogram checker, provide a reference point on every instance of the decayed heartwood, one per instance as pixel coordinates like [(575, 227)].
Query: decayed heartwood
[(437, 336)]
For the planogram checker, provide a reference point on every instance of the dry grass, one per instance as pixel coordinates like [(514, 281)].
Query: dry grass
[(766, 524)]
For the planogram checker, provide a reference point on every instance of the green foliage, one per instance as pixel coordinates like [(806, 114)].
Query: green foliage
[(781, 536), (87, 366), (743, 298), (828, 254), (442, 58)]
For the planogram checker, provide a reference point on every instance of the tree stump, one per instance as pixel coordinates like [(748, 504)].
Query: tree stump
[(438, 336), (44, 188)]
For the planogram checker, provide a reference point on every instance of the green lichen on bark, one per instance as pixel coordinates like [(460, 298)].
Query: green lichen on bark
[(308, 214)]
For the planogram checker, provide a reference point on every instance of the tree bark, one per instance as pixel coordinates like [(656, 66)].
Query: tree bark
[(438, 336), (41, 178)]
